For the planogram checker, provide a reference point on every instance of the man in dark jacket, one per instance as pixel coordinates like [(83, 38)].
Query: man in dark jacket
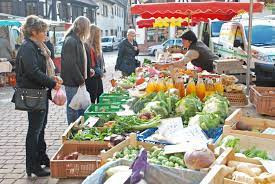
[(128, 50)]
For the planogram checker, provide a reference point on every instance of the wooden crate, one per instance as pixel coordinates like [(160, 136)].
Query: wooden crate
[(215, 175), (228, 66), (68, 131), (247, 142), (258, 123), (263, 100), (76, 168)]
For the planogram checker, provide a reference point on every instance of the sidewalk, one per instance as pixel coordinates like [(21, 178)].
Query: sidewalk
[(13, 128)]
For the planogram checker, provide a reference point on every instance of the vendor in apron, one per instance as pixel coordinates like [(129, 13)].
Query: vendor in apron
[(198, 54)]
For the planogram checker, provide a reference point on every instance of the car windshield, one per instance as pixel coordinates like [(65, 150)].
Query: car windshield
[(216, 28), (262, 35), (106, 39)]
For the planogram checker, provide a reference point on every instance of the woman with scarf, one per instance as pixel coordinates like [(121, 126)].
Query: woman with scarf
[(94, 83), (35, 70)]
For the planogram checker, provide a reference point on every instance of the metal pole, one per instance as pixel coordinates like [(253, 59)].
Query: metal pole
[(249, 56)]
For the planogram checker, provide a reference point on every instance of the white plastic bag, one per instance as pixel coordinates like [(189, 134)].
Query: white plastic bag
[(81, 100), (59, 98)]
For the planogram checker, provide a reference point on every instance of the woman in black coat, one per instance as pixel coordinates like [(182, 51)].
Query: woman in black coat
[(31, 73), (128, 50)]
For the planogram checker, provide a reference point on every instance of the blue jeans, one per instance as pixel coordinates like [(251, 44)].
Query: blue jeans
[(72, 114)]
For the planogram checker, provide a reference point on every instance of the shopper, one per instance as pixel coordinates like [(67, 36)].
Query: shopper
[(32, 72), (74, 63), (198, 53), (128, 50), (5, 48), (94, 82)]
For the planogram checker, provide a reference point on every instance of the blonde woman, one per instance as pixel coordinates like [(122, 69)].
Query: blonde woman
[(74, 62), (32, 73), (94, 83)]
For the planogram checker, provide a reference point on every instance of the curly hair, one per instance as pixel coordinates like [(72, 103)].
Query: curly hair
[(34, 23), (94, 40)]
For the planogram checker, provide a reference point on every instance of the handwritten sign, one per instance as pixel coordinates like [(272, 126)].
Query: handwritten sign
[(169, 126)]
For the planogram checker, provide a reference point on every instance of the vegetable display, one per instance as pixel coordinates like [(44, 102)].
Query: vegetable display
[(188, 107), (205, 120), (216, 104), (155, 156)]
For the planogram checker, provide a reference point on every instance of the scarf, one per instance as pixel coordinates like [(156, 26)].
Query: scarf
[(49, 62)]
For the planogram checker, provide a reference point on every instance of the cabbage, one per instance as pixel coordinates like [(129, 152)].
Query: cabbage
[(216, 104), (205, 120), (188, 107)]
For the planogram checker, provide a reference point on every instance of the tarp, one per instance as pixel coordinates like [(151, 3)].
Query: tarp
[(10, 23), (213, 10)]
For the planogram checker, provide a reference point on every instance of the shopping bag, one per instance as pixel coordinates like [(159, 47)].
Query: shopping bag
[(81, 100), (59, 98)]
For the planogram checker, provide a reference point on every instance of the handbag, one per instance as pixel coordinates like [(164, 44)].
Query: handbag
[(31, 100)]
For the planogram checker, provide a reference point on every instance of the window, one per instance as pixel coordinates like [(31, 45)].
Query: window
[(105, 10), (216, 28), (179, 42), (106, 32), (6, 7), (262, 35), (31, 8), (156, 35), (168, 43)]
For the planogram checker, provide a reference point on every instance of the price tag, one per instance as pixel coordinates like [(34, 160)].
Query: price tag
[(184, 147), (169, 126), (269, 165), (91, 121)]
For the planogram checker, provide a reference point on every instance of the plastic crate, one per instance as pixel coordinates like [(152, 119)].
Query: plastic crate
[(214, 133), (113, 98), (100, 109), (76, 168)]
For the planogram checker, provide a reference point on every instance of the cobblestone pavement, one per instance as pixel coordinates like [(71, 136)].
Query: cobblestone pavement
[(13, 129)]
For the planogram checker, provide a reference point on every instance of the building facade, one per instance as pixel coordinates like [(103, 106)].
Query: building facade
[(111, 17), (59, 10)]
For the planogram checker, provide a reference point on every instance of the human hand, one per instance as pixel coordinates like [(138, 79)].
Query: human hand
[(57, 86), (92, 72), (58, 79), (136, 48)]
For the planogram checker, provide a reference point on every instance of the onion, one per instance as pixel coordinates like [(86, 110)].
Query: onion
[(198, 159)]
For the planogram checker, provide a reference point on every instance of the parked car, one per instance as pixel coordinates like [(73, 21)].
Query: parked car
[(109, 43), (233, 40), (168, 43)]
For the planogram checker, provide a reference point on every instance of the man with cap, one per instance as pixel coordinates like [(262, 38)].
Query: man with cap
[(198, 53)]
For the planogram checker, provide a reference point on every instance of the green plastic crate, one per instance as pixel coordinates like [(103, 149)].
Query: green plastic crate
[(102, 108), (111, 98)]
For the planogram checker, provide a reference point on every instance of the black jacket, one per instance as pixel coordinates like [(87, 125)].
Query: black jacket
[(31, 67), (126, 61), (72, 61)]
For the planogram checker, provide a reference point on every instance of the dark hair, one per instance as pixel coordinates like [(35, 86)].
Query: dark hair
[(189, 35), (33, 23)]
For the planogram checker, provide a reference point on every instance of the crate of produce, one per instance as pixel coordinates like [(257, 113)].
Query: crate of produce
[(67, 136), (76, 160), (228, 66), (238, 170), (237, 123), (263, 98), (101, 108), (132, 140), (236, 99), (246, 144)]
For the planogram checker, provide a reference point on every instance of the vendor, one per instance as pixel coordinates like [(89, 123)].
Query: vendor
[(5, 48), (198, 53)]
